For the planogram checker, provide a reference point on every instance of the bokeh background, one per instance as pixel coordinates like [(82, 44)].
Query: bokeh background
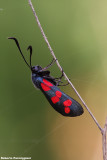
[(77, 31)]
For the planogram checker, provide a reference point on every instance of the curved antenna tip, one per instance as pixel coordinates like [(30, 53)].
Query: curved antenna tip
[(11, 38), (29, 47)]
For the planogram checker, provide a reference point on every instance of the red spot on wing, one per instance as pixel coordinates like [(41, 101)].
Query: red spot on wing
[(55, 99), (45, 87), (67, 103), (47, 83), (67, 110), (58, 94)]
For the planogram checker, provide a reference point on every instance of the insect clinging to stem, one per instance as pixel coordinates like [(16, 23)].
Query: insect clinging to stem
[(41, 79)]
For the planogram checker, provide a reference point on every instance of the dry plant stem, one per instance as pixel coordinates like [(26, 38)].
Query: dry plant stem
[(104, 141), (46, 40)]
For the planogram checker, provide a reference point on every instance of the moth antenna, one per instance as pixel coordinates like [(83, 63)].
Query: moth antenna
[(30, 48), (17, 43)]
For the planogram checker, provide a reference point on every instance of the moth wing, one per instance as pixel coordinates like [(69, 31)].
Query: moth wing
[(60, 101)]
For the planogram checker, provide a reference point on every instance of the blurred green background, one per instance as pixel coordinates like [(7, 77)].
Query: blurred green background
[(77, 31)]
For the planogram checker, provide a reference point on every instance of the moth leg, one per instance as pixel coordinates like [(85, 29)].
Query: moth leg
[(49, 65), (59, 78), (62, 84)]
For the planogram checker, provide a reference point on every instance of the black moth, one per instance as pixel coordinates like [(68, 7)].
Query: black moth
[(41, 79)]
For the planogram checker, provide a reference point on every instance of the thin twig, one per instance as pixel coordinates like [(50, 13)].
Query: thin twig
[(49, 46), (104, 141)]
